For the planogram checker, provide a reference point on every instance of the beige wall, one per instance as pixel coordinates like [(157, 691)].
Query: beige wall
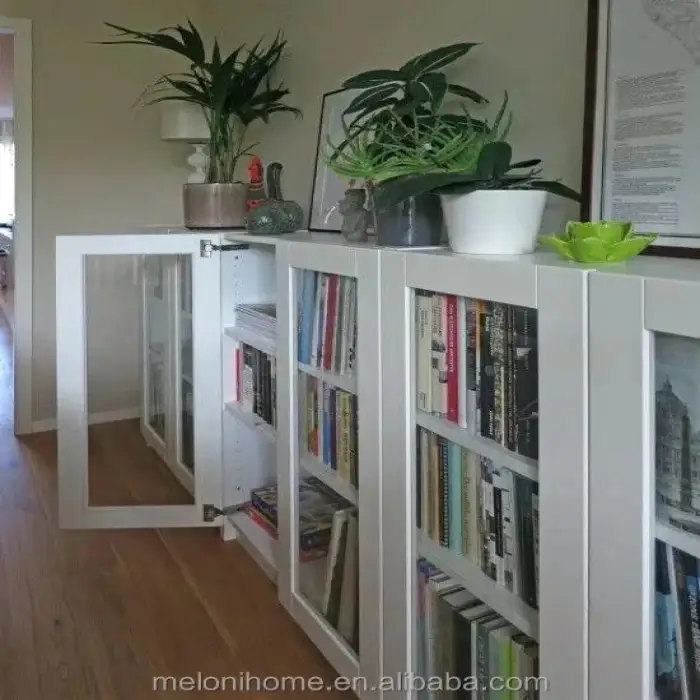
[(533, 49), (7, 66), (98, 162)]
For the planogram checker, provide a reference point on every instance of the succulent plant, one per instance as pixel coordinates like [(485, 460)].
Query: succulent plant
[(598, 241)]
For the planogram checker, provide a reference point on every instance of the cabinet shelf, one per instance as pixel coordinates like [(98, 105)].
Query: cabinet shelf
[(678, 539), (500, 599), (252, 420), (258, 543), (247, 337), (340, 381), (525, 466), (329, 477)]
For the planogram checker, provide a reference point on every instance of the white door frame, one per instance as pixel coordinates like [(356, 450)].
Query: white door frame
[(22, 244)]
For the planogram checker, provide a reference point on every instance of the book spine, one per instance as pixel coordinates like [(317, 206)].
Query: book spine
[(248, 393), (439, 363), (435, 493), (301, 315), (336, 362), (317, 318), (424, 449), (354, 443), (444, 490), (455, 496), (327, 425), (424, 351), (497, 343), (510, 372), (452, 359), (331, 322), (487, 376), (498, 517), (320, 423), (462, 364), (345, 404), (526, 382)]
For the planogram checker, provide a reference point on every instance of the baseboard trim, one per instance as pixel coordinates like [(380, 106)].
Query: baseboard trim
[(43, 426)]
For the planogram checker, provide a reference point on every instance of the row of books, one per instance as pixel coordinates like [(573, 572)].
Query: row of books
[(476, 366), (328, 425), (464, 640), (677, 614), (316, 507), (487, 514), (256, 382), (260, 319), (327, 321)]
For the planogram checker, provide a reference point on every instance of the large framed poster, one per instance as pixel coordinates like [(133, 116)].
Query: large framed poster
[(646, 151)]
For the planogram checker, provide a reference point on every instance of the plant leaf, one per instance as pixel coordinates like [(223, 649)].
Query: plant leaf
[(373, 78), (556, 244), (494, 160), (467, 93), (629, 247), (370, 99), (557, 188), (430, 87), (435, 59), (526, 163), (392, 192)]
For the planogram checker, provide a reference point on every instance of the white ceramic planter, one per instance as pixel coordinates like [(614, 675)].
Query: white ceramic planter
[(494, 222)]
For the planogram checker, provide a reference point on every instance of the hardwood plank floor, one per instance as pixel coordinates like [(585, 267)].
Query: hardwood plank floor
[(96, 615)]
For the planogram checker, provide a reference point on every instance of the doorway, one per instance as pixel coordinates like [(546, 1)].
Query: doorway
[(16, 256)]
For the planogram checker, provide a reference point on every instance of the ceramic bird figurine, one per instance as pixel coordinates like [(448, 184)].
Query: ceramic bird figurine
[(275, 215)]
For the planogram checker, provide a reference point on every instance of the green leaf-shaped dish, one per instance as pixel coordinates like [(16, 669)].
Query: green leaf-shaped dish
[(598, 241)]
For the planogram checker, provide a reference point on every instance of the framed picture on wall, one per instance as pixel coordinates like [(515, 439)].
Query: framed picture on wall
[(643, 119), (328, 188)]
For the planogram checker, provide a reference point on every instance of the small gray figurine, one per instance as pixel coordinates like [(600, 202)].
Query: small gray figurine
[(356, 218)]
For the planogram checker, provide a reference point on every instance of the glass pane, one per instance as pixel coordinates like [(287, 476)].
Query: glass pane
[(677, 599), (328, 497), (184, 281), (131, 387), (477, 501)]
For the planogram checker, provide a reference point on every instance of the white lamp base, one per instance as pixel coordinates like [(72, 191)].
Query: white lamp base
[(198, 161)]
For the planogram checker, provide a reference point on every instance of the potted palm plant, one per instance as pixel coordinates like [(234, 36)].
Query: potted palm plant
[(233, 91), (494, 208), (389, 128)]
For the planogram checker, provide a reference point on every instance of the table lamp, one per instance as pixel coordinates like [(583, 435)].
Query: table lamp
[(183, 121)]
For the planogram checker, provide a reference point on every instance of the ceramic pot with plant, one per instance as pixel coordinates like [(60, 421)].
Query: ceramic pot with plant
[(496, 208), (233, 91), (389, 127)]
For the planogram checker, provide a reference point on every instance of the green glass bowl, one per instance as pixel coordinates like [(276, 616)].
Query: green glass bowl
[(598, 241)]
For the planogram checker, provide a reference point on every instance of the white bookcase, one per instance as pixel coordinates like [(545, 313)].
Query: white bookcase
[(364, 359), (553, 295), (645, 481)]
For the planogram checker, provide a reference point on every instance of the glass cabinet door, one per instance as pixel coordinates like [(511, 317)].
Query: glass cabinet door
[(327, 485), (157, 331), (186, 374)]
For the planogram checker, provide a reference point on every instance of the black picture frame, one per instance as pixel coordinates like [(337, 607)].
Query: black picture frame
[(322, 200)]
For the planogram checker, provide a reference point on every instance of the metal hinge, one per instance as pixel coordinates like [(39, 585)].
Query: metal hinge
[(211, 512), (206, 247)]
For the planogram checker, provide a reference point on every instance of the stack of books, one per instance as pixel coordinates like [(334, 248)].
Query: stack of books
[(256, 383), (260, 319), (327, 325), (485, 513), (477, 367), (465, 641)]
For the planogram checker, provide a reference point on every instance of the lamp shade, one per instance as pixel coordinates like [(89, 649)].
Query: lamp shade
[(182, 121)]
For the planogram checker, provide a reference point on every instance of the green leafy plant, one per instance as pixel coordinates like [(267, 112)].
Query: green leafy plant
[(398, 112), (598, 241), (380, 152), (494, 171), (233, 91)]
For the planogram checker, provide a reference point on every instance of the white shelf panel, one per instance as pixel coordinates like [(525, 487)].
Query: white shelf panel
[(329, 477), (525, 466), (252, 420), (256, 542), (253, 339), (339, 381), (678, 539), (500, 599)]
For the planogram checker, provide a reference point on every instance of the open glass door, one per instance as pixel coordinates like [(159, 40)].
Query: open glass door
[(134, 449)]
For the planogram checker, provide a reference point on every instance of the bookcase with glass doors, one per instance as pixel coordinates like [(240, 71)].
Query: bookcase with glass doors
[(329, 450), (484, 475), (645, 481)]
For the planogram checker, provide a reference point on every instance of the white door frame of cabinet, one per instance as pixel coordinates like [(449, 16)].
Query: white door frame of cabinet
[(71, 356), (560, 296), (363, 264), (626, 311)]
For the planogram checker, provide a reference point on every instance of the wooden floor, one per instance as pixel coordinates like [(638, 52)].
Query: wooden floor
[(96, 615)]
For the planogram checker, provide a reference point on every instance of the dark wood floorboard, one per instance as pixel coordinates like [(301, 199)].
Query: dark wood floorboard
[(96, 615)]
